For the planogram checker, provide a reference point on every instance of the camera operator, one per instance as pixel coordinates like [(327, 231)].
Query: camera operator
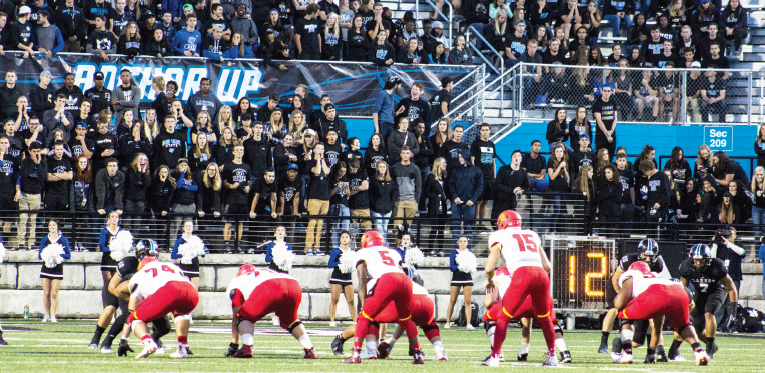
[(724, 248)]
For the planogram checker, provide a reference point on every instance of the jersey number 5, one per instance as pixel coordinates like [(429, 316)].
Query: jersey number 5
[(526, 242), (164, 269), (387, 260)]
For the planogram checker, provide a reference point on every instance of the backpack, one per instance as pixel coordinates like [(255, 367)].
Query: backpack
[(749, 320), (474, 320)]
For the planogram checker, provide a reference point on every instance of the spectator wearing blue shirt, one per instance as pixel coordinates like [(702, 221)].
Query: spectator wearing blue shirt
[(340, 282), (213, 45), (279, 235), (382, 115), (462, 280), (174, 7), (187, 41), (52, 277), (237, 49), (47, 38)]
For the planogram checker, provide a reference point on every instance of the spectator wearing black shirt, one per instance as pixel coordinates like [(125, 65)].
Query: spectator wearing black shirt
[(482, 154), (378, 23), (381, 52), (605, 111), (33, 174), (687, 40), (357, 41), (415, 107), (10, 188), (568, 16), (110, 188), (21, 32), (330, 122), (35, 134), (331, 36), (534, 165), (557, 130), (515, 44), (439, 104), (497, 31), (59, 175), (264, 112), (318, 199), (138, 188), (668, 84), (554, 53), (717, 61), (659, 189), (608, 197), (307, 35), (424, 157), (726, 170), (734, 17), (41, 96), (532, 74), (257, 151), (652, 47), (713, 96), (712, 36), (99, 96), (290, 187), (582, 156), (101, 42), (162, 190), (668, 55), (217, 20), (133, 144), (645, 91), (72, 93), (509, 186), (263, 206), (169, 146), (58, 118), (358, 201), (236, 177), (705, 15)]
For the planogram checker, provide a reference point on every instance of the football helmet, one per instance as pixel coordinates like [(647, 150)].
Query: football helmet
[(509, 219), (245, 269), (146, 247), (641, 267), (648, 249), (701, 252), (145, 261), (371, 239)]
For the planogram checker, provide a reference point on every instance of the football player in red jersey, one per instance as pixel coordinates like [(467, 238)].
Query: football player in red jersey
[(256, 293), (526, 259), (644, 296), (382, 281)]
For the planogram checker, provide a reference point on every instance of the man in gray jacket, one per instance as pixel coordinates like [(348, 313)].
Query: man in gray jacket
[(126, 97), (397, 140), (110, 188), (243, 25), (409, 181)]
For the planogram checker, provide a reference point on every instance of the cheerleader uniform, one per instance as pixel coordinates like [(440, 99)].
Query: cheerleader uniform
[(338, 277), (270, 257), (402, 251), (459, 278), (57, 272), (106, 238), (189, 270)]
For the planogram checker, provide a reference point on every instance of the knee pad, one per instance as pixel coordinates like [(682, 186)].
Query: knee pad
[(680, 329), (294, 325), (181, 317), (133, 323)]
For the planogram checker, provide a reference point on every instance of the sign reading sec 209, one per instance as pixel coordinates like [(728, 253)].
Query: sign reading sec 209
[(719, 138)]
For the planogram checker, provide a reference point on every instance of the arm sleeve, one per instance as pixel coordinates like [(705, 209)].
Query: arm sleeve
[(269, 257), (737, 249), (59, 46), (102, 241), (174, 254), (453, 265), (479, 187), (334, 262), (67, 249), (43, 244)]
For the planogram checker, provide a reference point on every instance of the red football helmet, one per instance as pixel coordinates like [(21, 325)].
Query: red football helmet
[(509, 219), (641, 267), (371, 239), (146, 260), (501, 271), (245, 269)]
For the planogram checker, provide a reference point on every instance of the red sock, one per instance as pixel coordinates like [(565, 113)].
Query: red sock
[(374, 329), (416, 346), (183, 340), (145, 338), (499, 335), (432, 333), (356, 345)]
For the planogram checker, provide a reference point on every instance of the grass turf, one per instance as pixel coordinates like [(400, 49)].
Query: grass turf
[(61, 348)]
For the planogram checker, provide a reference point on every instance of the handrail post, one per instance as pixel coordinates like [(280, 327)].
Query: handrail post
[(684, 97), (749, 104), (416, 8)]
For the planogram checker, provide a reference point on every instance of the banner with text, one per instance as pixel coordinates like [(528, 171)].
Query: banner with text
[(352, 86)]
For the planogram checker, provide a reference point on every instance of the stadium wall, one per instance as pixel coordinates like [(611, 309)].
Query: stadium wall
[(80, 295)]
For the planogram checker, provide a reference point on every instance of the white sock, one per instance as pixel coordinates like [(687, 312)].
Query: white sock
[(247, 339), (305, 341), (491, 340), (371, 345), (392, 342), (524, 348), (561, 344), (438, 344), (490, 333)]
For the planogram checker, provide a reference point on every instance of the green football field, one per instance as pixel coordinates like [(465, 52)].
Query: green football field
[(61, 348)]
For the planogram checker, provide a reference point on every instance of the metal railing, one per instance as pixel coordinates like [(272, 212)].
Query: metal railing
[(451, 14)]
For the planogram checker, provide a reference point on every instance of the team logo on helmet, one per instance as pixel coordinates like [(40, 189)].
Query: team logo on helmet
[(146, 247), (509, 219)]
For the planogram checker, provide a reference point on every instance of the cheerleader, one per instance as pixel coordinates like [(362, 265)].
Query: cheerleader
[(340, 282), (279, 235), (406, 243), (191, 271), (108, 267), (51, 277), (462, 280)]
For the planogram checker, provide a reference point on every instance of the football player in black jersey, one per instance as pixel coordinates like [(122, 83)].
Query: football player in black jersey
[(648, 251), (710, 281)]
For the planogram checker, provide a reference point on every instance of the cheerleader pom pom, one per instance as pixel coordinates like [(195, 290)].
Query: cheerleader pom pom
[(348, 262), (194, 247), (414, 257), (282, 256), (467, 262), (2, 253), (51, 255), (121, 245)]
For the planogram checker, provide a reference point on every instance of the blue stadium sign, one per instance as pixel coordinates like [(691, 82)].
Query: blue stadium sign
[(719, 138)]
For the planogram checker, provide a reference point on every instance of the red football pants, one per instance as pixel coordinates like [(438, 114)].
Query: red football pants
[(281, 296), (423, 315), (657, 300), (178, 297), (393, 288)]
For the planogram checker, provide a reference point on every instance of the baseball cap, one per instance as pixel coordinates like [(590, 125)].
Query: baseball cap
[(292, 166), (309, 132), (99, 76), (704, 1), (188, 6), (101, 17), (584, 136), (25, 10), (437, 24), (246, 116), (81, 124), (696, 64)]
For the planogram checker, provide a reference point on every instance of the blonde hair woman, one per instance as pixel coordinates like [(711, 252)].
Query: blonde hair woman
[(758, 205)]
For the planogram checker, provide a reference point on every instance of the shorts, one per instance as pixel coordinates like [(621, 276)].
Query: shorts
[(55, 273), (660, 300), (393, 288), (107, 263), (178, 297), (488, 190), (648, 104), (236, 209), (8, 204), (641, 331), (280, 296)]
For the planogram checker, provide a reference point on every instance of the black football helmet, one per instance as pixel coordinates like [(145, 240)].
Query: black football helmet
[(703, 253), (648, 249), (146, 247)]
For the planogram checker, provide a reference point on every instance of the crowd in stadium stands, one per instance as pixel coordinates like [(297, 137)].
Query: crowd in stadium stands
[(96, 152)]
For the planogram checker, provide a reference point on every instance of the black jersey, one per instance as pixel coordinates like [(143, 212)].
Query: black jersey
[(627, 260), (707, 281), (127, 268)]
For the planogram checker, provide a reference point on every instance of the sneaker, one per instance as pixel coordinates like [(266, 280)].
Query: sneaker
[(523, 357), (318, 252), (161, 350), (46, 318), (354, 359), (433, 253), (332, 324), (244, 353), (650, 359), (228, 249), (310, 353), (565, 357), (337, 345), (550, 360), (624, 358), (469, 327), (447, 325), (148, 349), (383, 351), (251, 250), (701, 358), (21, 247), (93, 346), (53, 319), (309, 252), (441, 354), (106, 350), (491, 361), (419, 358), (369, 354)]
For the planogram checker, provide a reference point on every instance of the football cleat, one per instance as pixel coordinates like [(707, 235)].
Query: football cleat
[(624, 358), (674, 355), (369, 354), (337, 345), (565, 357), (354, 359), (310, 353), (711, 353), (161, 348), (550, 360), (441, 354), (603, 349), (148, 349), (419, 358), (523, 357), (93, 346), (3, 342), (275, 321), (661, 356), (244, 353), (616, 348), (384, 350), (106, 350), (124, 348), (180, 353), (491, 361), (232, 349), (701, 358), (501, 357), (650, 359), (188, 350)]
